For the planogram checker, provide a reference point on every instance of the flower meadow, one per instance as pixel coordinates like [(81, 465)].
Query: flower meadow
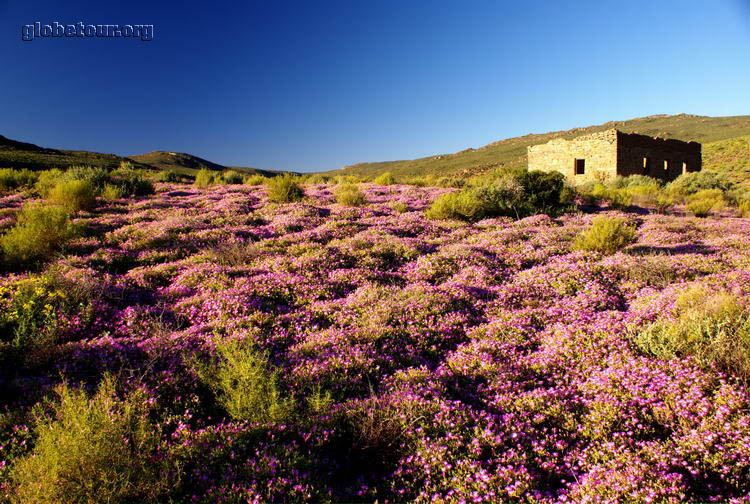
[(209, 345)]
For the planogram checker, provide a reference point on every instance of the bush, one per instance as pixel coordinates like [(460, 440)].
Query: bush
[(132, 182), (11, 179), (74, 195), (744, 209), (690, 183), (284, 189), (98, 449), (33, 314), (112, 192), (255, 179), (701, 207), (621, 182), (513, 194), (462, 205), (349, 195), (399, 206), (713, 327), (245, 385), (47, 180), (39, 231), (96, 177), (663, 202), (606, 235), (170, 176), (318, 179), (204, 178), (231, 177), (385, 179)]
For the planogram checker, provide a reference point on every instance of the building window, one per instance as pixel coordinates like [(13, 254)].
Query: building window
[(666, 164), (580, 166), (646, 165), (684, 167)]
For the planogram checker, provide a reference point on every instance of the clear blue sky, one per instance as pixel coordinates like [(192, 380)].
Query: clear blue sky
[(321, 84)]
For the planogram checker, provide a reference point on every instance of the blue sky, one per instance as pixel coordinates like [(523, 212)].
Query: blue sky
[(319, 85)]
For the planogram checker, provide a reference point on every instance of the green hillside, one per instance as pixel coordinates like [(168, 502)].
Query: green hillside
[(730, 157), (512, 152), (14, 154), (188, 164)]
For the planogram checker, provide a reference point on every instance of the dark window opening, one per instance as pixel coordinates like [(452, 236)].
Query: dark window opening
[(646, 165), (580, 166)]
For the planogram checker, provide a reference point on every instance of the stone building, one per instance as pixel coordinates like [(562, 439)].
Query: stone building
[(603, 155)]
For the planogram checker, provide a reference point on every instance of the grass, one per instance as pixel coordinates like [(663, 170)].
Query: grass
[(730, 158)]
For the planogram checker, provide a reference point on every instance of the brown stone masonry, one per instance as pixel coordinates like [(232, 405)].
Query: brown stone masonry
[(604, 155)]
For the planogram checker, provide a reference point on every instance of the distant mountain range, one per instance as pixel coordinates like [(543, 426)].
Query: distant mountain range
[(15, 154), (726, 148)]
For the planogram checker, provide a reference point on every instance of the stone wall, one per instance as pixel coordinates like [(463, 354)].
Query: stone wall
[(611, 152), (656, 157), (599, 150)]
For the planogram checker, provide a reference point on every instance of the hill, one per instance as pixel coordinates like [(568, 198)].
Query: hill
[(189, 164), (14, 154), (512, 152), (730, 157)]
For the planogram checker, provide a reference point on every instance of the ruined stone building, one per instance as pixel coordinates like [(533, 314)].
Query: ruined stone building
[(603, 155)]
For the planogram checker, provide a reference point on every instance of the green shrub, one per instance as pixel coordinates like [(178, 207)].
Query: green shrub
[(317, 178), (347, 179), (349, 195), (231, 177), (513, 194), (74, 195), (284, 189), (39, 232), (713, 327), (663, 202), (691, 183), (33, 313), (606, 235), (96, 177), (11, 179), (461, 205), (255, 179), (132, 182), (399, 206), (98, 449), (47, 180), (744, 209), (112, 192), (204, 178), (701, 207), (245, 385), (170, 176), (620, 182), (385, 179), (423, 181)]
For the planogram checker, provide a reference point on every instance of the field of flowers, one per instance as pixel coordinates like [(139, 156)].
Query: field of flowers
[(405, 359)]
